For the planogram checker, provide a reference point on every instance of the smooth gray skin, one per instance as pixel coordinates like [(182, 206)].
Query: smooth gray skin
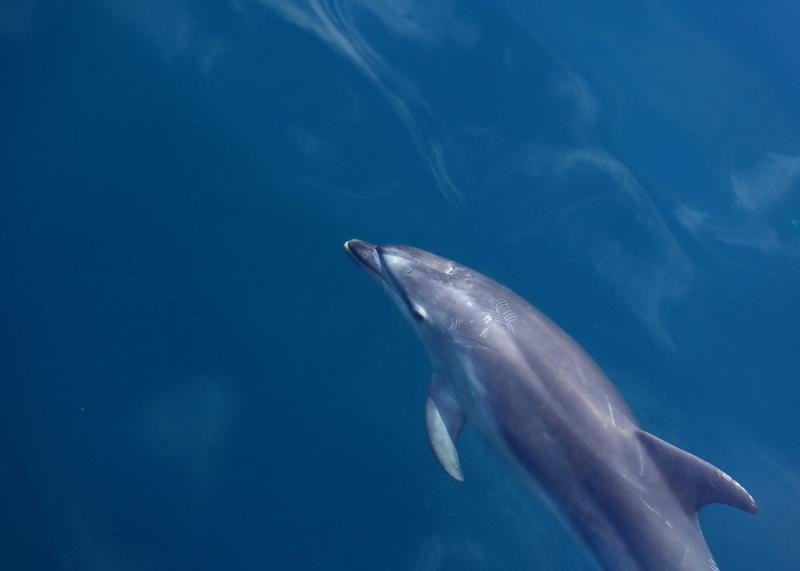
[(551, 413)]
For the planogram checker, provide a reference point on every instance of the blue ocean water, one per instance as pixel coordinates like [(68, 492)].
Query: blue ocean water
[(196, 377)]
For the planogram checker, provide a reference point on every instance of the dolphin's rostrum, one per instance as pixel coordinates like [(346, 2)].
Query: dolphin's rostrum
[(551, 413)]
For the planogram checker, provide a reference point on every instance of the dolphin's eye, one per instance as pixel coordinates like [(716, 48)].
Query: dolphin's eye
[(419, 312)]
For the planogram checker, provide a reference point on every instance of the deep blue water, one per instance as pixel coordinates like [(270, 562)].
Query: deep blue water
[(195, 376)]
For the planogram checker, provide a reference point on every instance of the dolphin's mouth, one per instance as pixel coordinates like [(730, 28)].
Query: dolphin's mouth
[(370, 257), (365, 255)]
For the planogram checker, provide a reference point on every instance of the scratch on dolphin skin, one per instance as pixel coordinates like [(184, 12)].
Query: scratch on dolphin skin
[(651, 508), (641, 460), (712, 564), (473, 343), (683, 559), (610, 411), (504, 310)]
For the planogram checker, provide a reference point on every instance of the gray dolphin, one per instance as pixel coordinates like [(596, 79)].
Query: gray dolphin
[(546, 407)]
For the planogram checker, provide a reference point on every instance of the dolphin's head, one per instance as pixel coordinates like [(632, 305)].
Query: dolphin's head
[(434, 293)]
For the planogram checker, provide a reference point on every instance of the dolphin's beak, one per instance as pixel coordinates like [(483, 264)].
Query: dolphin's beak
[(365, 255)]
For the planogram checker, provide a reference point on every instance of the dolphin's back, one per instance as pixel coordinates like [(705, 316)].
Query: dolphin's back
[(631, 497), (551, 363)]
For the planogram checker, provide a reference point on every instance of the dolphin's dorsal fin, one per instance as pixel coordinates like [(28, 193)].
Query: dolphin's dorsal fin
[(444, 420), (695, 481)]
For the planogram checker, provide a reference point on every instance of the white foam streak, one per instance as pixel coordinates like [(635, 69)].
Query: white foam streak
[(333, 22), (757, 191), (645, 283), (766, 182)]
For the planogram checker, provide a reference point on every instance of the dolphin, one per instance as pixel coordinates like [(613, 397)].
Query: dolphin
[(551, 413)]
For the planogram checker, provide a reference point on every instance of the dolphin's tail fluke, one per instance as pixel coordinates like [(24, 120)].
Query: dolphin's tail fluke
[(695, 481)]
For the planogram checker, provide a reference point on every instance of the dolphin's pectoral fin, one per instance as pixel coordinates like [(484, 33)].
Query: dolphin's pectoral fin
[(444, 420), (694, 480)]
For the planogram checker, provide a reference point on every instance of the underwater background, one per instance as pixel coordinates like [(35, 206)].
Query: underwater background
[(196, 377)]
